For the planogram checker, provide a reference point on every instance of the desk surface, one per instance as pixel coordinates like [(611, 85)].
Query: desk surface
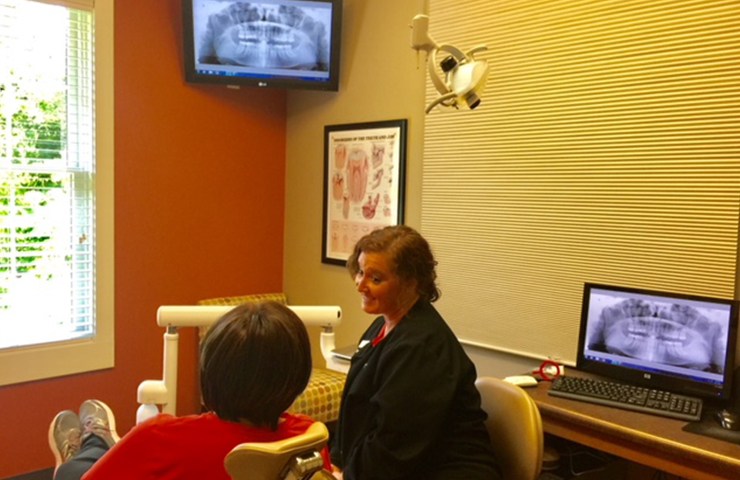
[(651, 440)]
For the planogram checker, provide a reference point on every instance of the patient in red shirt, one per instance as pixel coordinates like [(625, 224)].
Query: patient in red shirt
[(254, 362)]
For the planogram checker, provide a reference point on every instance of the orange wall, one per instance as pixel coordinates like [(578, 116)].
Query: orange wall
[(199, 213)]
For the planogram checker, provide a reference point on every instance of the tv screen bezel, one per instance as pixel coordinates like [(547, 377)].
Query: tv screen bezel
[(192, 75), (660, 380)]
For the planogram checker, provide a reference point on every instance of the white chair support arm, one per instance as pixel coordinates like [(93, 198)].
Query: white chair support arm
[(155, 394)]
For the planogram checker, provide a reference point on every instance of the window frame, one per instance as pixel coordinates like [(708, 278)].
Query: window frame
[(37, 362)]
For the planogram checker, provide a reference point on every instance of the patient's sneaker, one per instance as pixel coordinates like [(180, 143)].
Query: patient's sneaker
[(64, 436), (97, 418)]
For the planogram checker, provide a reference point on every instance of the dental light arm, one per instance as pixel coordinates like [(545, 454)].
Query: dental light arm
[(464, 76), (154, 393)]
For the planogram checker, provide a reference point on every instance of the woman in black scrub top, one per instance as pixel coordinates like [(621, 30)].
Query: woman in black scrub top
[(410, 409)]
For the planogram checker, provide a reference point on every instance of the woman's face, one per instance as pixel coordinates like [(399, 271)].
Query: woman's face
[(381, 289)]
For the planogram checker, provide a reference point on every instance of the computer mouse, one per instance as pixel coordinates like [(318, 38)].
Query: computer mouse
[(522, 380), (728, 420)]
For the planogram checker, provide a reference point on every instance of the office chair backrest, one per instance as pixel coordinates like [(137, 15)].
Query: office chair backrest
[(515, 428), (293, 458)]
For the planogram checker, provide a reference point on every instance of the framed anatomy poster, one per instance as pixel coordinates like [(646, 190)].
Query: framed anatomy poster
[(364, 170)]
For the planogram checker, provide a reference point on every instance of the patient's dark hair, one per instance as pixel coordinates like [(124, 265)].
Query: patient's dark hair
[(254, 361)]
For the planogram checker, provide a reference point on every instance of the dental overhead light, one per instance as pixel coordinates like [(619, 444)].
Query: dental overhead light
[(464, 76)]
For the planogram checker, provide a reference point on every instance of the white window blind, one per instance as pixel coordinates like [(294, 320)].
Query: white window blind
[(47, 167), (605, 149), (78, 4)]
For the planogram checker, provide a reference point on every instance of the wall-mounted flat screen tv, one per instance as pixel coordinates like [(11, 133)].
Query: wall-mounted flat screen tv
[(267, 43)]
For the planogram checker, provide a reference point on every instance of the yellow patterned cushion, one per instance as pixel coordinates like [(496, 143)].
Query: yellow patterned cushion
[(323, 394), (258, 297), (229, 301)]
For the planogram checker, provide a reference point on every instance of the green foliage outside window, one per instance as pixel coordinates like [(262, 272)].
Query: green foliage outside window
[(30, 134)]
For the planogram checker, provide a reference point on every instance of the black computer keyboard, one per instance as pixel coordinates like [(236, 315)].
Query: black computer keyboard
[(629, 397)]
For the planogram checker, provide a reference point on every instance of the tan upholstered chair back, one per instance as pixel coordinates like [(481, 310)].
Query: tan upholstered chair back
[(274, 460), (515, 427)]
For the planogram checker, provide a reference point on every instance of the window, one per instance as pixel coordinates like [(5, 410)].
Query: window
[(56, 189)]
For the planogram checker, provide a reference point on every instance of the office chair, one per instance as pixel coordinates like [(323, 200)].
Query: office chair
[(515, 428), (296, 458)]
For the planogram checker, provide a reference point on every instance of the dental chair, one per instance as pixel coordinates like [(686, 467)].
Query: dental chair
[(515, 427), (296, 458), (319, 401), (323, 395)]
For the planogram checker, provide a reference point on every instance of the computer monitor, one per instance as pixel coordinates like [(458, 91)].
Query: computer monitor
[(669, 341)]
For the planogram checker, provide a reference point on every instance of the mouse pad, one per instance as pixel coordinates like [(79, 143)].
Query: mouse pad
[(710, 427)]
